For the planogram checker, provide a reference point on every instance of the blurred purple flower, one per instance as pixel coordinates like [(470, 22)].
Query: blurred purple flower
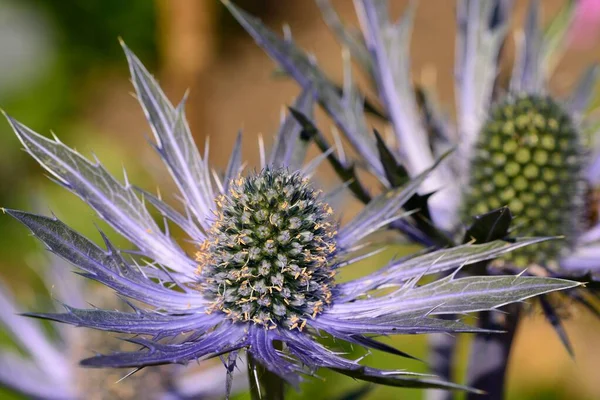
[(586, 24)]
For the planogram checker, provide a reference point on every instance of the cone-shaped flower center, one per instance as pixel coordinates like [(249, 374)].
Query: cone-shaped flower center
[(529, 157), (268, 256)]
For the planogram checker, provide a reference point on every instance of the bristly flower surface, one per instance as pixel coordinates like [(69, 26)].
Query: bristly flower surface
[(268, 256), (529, 156), (268, 250)]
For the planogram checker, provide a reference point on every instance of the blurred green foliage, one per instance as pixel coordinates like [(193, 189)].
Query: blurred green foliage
[(83, 44), (81, 41)]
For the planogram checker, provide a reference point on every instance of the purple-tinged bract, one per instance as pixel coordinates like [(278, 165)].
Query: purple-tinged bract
[(267, 253), (47, 369)]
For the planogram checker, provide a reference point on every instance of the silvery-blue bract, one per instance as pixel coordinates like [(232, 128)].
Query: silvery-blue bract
[(268, 249), (48, 369), (517, 146)]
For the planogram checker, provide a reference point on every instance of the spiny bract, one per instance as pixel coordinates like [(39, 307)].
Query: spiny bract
[(538, 177), (267, 258), (46, 367), (529, 157), (271, 230)]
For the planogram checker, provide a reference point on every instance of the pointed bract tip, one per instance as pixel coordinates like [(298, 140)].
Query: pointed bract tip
[(569, 284), (8, 211), (10, 119), (13, 213), (128, 53), (232, 7), (16, 126)]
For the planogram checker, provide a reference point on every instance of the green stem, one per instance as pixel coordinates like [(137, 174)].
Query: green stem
[(264, 385)]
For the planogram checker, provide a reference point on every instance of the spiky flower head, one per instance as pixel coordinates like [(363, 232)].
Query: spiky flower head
[(529, 156), (262, 279), (268, 257)]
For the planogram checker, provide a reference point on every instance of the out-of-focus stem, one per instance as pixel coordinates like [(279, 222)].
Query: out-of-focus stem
[(442, 349), (264, 385), (490, 353)]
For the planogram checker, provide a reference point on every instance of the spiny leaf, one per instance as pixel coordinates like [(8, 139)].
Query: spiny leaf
[(479, 293), (138, 322), (400, 380), (452, 296), (346, 172), (432, 263), (115, 202), (554, 319), (175, 143), (106, 266), (479, 39), (493, 225), (344, 111), (389, 47)]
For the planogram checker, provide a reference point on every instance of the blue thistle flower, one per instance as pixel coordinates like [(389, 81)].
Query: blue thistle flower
[(49, 368), (529, 156), (423, 133), (519, 146), (268, 250)]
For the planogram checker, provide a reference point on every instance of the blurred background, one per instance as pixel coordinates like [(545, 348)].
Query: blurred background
[(62, 70)]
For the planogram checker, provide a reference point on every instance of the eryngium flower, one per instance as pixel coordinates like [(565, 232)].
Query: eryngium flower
[(421, 131), (48, 370), (269, 255), (268, 248), (556, 169), (529, 156)]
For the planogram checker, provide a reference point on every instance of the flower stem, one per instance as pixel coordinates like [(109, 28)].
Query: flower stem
[(490, 353), (264, 385), (442, 349)]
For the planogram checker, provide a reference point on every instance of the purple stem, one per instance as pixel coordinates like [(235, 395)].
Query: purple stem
[(490, 353)]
